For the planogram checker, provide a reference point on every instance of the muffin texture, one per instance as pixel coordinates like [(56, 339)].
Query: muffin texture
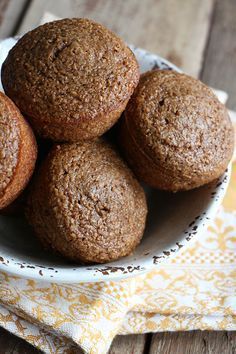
[(86, 204), (72, 78), (176, 135), (18, 151)]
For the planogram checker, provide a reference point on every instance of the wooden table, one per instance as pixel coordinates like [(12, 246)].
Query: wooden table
[(197, 35)]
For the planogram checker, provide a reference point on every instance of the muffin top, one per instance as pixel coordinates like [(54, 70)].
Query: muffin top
[(92, 200), (9, 141), (68, 70), (179, 123)]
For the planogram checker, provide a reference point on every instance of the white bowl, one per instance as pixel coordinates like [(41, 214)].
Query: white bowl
[(173, 220)]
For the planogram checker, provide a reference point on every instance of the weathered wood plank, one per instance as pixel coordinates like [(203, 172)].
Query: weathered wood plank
[(10, 344), (10, 14), (3, 8), (131, 344), (176, 29), (194, 342), (219, 67)]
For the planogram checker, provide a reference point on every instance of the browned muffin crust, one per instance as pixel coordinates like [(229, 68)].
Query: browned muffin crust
[(86, 204), (176, 135), (18, 151), (72, 77)]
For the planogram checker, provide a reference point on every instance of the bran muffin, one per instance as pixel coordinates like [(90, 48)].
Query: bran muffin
[(175, 134), (17, 207), (72, 78), (86, 204), (18, 151)]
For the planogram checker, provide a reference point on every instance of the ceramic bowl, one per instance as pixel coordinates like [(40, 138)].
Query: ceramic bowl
[(173, 220)]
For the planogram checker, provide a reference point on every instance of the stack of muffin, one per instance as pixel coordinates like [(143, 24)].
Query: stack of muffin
[(71, 80)]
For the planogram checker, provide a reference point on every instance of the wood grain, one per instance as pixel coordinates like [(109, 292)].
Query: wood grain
[(132, 344), (219, 69), (195, 342), (3, 7), (10, 14), (10, 344), (175, 29)]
